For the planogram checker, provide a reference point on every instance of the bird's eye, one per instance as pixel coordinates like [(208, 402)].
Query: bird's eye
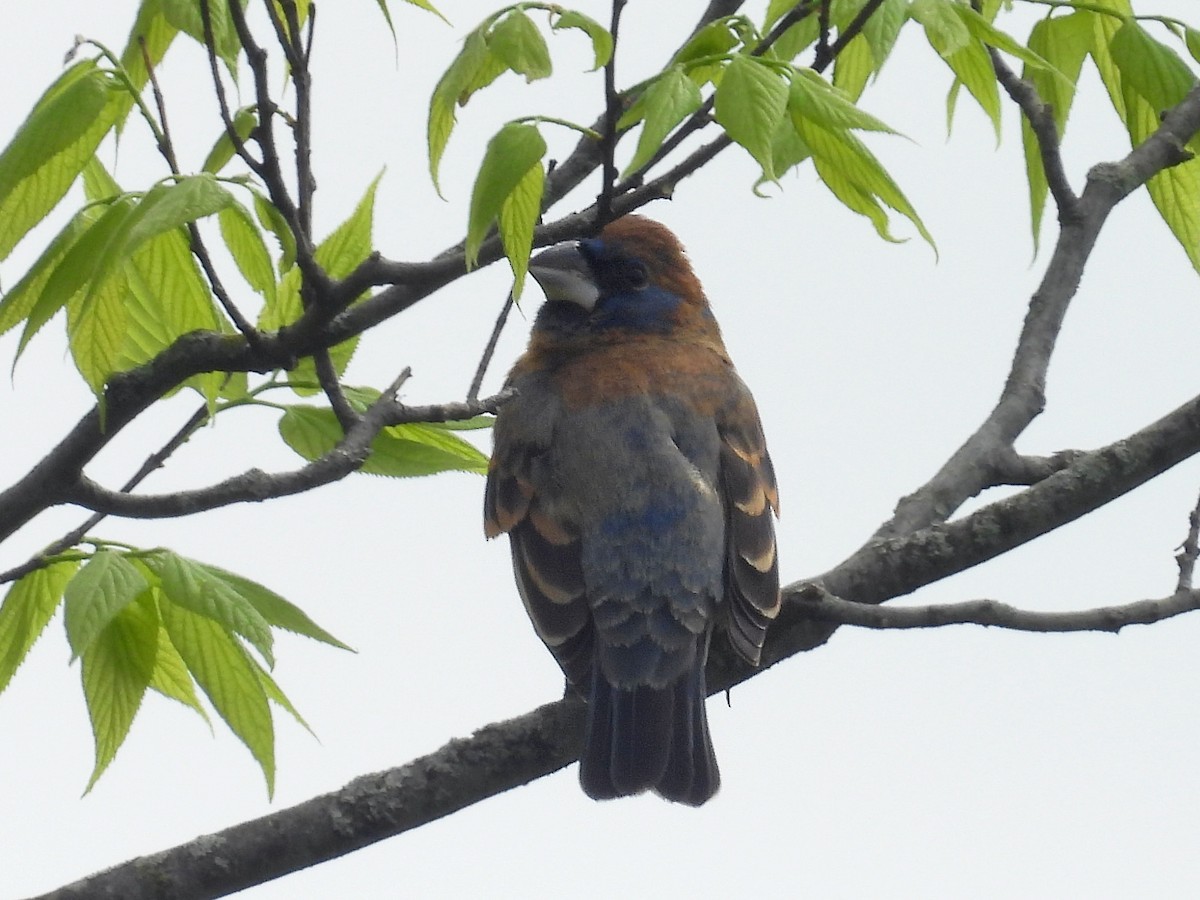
[(637, 275)]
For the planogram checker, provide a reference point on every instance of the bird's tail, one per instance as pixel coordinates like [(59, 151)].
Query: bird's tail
[(649, 739)]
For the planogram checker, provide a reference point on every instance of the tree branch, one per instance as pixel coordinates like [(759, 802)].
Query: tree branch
[(886, 568), (254, 485), (1041, 121), (820, 604), (370, 808), (1189, 551), (980, 462)]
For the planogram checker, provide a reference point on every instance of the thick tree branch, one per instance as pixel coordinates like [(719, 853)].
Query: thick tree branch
[(979, 462), (496, 758)]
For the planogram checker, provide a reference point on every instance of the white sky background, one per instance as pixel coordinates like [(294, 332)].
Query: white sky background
[(948, 763)]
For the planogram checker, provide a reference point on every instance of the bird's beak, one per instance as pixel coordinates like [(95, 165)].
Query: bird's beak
[(563, 273)]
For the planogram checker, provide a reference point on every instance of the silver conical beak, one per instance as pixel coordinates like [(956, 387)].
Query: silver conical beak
[(563, 273)]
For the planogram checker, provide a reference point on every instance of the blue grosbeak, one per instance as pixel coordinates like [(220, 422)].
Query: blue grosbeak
[(631, 475)]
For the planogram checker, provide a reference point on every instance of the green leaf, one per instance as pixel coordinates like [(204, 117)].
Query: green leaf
[(275, 609), (185, 15), (96, 331), (814, 98), (285, 308), (944, 27), (50, 148), (1173, 190), (1151, 68), (973, 68), (856, 177), (276, 695), (245, 244), (776, 10), (475, 423), (750, 101), (165, 208), (120, 234), (796, 39), (229, 678), (1191, 39), (27, 609), (602, 42), (167, 298), (76, 268), (883, 28), (116, 670), (96, 595), (511, 153), (787, 149), (518, 215), (983, 30), (350, 243), (171, 677), (399, 451), (245, 120), (19, 302), (668, 100), (475, 67), (303, 7), (190, 585), (1064, 42), (98, 184), (854, 67), (714, 39), (517, 42), (272, 219), (420, 4)]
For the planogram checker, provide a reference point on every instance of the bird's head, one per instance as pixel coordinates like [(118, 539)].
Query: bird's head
[(631, 278)]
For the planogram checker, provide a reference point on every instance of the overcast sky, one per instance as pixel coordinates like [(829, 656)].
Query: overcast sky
[(948, 763)]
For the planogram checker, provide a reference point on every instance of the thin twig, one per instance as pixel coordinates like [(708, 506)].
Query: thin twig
[(821, 604), (199, 250), (849, 33), (612, 112), (255, 485), (822, 53), (327, 377), (1041, 120), (1189, 551), (271, 171), (490, 350), (239, 146), (152, 463), (301, 77)]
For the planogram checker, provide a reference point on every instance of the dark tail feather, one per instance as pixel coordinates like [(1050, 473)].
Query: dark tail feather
[(691, 776), (646, 739)]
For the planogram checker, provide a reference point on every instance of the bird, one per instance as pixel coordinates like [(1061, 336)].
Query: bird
[(631, 475)]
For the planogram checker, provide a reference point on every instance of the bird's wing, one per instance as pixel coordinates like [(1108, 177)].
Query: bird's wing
[(545, 551), (751, 497)]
